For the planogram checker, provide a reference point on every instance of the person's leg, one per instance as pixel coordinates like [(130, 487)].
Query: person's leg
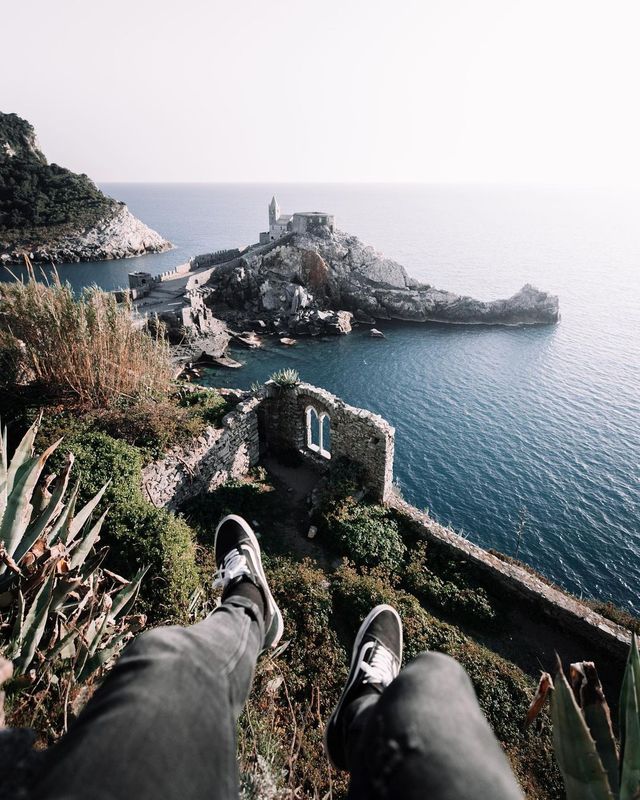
[(426, 737), (416, 734), (163, 724)]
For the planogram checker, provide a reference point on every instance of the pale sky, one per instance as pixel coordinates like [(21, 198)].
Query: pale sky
[(329, 90)]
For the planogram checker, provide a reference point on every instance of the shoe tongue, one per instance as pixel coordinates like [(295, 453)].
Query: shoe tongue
[(372, 640)]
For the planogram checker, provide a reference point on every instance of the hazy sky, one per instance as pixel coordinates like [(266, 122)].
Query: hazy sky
[(329, 90)]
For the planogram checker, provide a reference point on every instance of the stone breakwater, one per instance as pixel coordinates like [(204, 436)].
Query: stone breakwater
[(117, 235), (300, 284)]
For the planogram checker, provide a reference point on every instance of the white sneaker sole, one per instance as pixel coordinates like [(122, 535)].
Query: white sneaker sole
[(362, 630), (276, 615)]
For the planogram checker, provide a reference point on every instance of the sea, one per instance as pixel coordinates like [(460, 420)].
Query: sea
[(526, 440)]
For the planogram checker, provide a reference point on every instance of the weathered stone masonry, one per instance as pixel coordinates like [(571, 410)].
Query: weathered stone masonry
[(359, 435), (209, 461), (273, 420)]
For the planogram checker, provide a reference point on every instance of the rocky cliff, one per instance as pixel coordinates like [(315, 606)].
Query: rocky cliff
[(316, 283), (52, 214)]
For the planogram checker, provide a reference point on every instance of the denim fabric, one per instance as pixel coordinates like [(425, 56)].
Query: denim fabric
[(425, 737), (163, 724)]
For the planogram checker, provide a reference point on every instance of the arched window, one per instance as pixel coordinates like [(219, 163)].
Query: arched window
[(318, 432)]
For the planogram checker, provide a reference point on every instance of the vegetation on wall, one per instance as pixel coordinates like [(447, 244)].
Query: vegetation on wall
[(286, 378)]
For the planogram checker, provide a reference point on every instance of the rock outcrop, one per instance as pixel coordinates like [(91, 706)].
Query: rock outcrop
[(317, 283), (117, 235), (52, 214)]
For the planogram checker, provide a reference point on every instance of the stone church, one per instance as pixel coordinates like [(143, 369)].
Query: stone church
[(300, 222)]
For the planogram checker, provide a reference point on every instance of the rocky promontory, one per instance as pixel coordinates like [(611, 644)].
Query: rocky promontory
[(318, 283), (54, 215)]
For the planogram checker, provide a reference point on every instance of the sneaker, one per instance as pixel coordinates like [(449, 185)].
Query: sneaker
[(375, 662), (237, 555)]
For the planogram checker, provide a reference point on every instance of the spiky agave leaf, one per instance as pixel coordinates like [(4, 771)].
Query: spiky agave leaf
[(79, 519), (584, 776), (595, 710), (62, 524), (62, 587), (630, 726), (34, 624), (101, 657), (92, 663), (17, 513), (126, 597), (24, 451), (86, 543), (42, 522)]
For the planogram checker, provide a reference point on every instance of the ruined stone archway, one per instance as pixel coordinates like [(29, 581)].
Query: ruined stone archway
[(318, 431)]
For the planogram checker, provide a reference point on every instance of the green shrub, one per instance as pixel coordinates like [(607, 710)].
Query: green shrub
[(303, 592), (345, 479), (615, 614), (356, 592), (280, 732), (142, 533), (365, 533), (252, 499), (455, 598), (136, 532), (206, 404), (150, 425)]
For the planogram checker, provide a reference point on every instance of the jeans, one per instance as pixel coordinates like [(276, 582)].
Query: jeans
[(425, 737), (163, 725)]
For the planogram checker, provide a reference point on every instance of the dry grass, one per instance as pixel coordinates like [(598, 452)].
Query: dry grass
[(83, 348)]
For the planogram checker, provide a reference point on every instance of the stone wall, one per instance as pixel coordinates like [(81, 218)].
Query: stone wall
[(218, 257), (359, 435), (523, 587), (207, 462)]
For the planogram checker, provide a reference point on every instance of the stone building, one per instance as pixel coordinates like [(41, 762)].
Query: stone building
[(299, 222)]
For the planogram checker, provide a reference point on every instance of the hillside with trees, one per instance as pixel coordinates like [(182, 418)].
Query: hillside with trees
[(54, 214)]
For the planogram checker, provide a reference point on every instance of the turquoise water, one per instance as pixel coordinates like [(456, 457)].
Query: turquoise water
[(491, 424)]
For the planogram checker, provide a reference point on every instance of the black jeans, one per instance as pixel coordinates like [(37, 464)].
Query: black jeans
[(163, 725)]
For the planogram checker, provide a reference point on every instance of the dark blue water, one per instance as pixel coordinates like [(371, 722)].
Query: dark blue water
[(490, 423)]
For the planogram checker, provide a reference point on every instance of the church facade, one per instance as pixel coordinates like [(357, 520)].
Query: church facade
[(300, 222)]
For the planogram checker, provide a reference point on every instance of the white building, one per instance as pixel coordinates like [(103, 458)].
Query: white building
[(300, 222)]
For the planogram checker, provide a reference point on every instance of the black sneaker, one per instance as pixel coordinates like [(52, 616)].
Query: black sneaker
[(237, 555), (375, 662)]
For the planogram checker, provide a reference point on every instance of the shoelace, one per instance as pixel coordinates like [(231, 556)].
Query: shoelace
[(233, 565), (382, 667)]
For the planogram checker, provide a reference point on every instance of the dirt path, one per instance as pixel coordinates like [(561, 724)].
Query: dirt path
[(292, 487)]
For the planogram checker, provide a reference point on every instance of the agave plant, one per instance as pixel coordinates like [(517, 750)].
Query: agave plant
[(59, 607), (286, 378), (584, 744)]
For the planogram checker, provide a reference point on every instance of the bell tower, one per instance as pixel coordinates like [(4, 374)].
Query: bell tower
[(274, 211)]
